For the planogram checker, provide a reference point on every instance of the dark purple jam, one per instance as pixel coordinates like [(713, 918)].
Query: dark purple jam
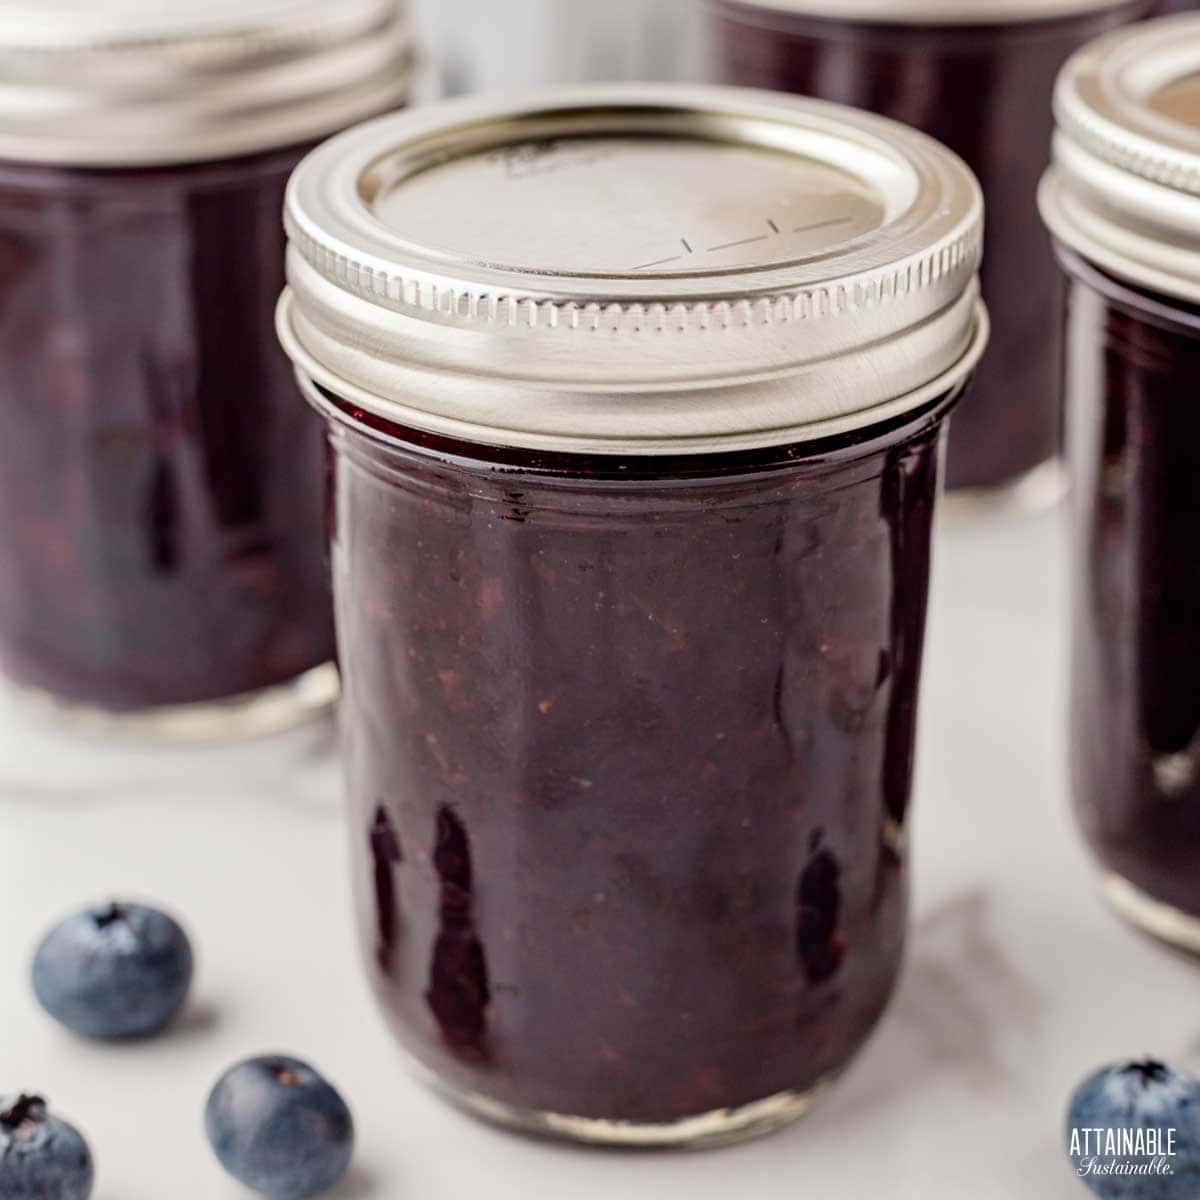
[(1132, 383), (986, 92), (161, 512), (630, 750)]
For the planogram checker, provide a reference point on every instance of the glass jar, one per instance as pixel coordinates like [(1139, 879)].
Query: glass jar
[(161, 517), (978, 76), (636, 399), (1123, 201)]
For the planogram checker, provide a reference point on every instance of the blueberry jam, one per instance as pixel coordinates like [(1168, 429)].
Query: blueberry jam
[(630, 750), (160, 487), (985, 91), (1134, 371)]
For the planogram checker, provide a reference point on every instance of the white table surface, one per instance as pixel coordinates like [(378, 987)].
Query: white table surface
[(1018, 982)]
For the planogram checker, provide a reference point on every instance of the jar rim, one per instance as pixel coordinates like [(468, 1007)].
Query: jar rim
[(138, 83), (931, 12), (1124, 186), (617, 469), (311, 372)]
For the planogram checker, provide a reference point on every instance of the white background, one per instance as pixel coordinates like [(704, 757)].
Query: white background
[(1019, 982), (494, 45)]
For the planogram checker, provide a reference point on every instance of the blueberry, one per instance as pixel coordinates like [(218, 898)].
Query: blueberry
[(117, 971), (279, 1128), (1153, 1115), (41, 1157)]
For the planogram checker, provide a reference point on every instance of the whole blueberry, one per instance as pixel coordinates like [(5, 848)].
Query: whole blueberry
[(112, 972), (41, 1156), (279, 1128), (1126, 1098)]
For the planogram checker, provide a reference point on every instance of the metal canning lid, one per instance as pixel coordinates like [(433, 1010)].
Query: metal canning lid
[(634, 269), (143, 82), (932, 12), (1124, 190)]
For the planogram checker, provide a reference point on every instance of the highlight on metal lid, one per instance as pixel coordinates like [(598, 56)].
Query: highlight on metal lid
[(634, 269), (928, 12), (1124, 189), (140, 82)]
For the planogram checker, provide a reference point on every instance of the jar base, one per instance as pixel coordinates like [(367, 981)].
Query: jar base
[(249, 715), (721, 1127), (1151, 916), (1038, 490)]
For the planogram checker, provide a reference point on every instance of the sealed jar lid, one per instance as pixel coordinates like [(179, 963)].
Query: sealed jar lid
[(1124, 189), (633, 269), (931, 12), (139, 82)]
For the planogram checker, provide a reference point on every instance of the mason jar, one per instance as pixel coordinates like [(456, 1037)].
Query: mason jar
[(161, 521), (978, 75), (637, 398), (1123, 202)]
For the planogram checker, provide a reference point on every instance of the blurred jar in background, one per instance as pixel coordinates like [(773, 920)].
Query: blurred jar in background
[(161, 513), (978, 75), (1123, 200), (482, 45)]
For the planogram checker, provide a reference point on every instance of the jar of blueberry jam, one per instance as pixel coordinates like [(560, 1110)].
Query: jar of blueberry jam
[(978, 75), (637, 397), (1123, 202), (161, 523)]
